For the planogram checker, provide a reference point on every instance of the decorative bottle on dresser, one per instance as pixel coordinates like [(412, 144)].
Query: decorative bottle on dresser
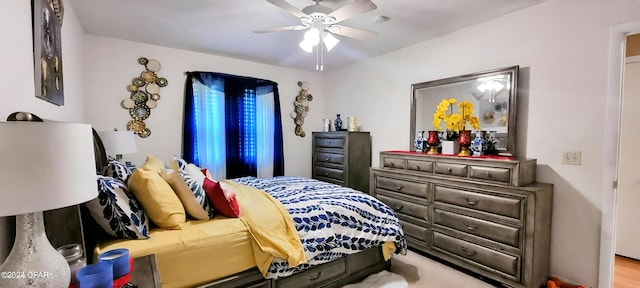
[(419, 143)]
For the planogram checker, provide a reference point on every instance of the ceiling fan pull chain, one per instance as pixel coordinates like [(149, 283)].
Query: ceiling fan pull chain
[(317, 57), (321, 48)]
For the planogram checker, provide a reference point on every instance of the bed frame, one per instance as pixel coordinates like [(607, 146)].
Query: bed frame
[(77, 226)]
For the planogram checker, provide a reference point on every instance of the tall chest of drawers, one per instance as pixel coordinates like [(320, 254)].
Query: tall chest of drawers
[(488, 216), (342, 158)]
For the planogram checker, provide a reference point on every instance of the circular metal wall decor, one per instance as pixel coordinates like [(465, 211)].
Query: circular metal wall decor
[(144, 95), (301, 107)]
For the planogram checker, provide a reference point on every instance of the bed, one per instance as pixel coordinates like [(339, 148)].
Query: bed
[(344, 234)]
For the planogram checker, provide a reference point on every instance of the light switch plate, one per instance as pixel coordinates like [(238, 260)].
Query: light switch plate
[(571, 157)]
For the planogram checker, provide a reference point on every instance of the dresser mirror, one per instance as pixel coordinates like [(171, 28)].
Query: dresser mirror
[(493, 94)]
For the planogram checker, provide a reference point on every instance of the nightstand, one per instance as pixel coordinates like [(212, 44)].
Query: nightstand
[(145, 272)]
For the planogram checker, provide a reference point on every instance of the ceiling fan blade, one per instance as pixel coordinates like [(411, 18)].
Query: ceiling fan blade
[(286, 28), (355, 33), (288, 7), (353, 9)]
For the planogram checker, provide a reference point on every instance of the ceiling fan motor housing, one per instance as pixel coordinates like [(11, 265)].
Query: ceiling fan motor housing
[(311, 9)]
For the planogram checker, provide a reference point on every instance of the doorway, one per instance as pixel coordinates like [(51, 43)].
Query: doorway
[(627, 250), (617, 42)]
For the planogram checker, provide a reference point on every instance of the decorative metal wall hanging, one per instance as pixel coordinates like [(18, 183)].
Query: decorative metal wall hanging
[(301, 107), (47, 50), (145, 95)]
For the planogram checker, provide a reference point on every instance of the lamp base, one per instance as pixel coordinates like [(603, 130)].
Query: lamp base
[(33, 262)]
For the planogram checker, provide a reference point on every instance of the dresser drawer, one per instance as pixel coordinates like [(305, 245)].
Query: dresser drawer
[(490, 173), (315, 276), (389, 162), (337, 174), (505, 206), (329, 142), (263, 284), (486, 229), (331, 158), (419, 165), (485, 257), (403, 186), (404, 207), (417, 232), (451, 169)]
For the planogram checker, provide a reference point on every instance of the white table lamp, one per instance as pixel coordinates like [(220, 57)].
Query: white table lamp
[(118, 143), (46, 165)]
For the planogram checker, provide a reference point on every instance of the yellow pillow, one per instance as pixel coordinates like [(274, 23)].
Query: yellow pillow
[(159, 201), (152, 163), (184, 193)]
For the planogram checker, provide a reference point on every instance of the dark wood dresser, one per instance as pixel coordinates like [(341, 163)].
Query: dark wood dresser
[(486, 215), (342, 158)]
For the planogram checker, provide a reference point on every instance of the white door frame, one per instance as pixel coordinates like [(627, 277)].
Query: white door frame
[(611, 149)]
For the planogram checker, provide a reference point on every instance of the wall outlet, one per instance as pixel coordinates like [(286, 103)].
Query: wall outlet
[(571, 157)]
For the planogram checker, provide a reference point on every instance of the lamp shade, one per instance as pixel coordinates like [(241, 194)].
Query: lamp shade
[(47, 165), (118, 142)]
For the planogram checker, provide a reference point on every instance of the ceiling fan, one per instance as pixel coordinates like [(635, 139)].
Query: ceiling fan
[(322, 21)]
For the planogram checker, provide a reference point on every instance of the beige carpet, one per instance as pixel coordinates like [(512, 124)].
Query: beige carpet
[(420, 272)]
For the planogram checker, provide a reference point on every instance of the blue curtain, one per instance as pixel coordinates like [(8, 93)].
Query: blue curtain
[(225, 119)]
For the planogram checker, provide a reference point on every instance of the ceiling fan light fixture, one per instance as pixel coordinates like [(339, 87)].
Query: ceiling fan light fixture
[(312, 36), (332, 28), (306, 46), (330, 41)]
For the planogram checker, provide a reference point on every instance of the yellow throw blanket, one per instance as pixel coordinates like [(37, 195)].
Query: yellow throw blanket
[(272, 229)]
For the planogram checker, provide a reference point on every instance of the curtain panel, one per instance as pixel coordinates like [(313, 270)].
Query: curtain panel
[(232, 125)]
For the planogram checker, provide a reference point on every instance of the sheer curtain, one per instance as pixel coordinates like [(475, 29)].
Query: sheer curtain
[(232, 125), (209, 141), (265, 128)]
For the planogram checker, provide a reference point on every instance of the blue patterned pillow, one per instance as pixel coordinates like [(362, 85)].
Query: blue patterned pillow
[(197, 188), (117, 211), (182, 164), (118, 170), (198, 192)]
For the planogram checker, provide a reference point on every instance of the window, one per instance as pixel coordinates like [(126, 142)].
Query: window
[(232, 125)]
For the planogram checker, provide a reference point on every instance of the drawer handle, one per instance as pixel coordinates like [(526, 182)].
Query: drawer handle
[(398, 187), (449, 170), (311, 278), (326, 173), (418, 167), (471, 202), (326, 159), (487, 174), (398, 208), (327, 143), (469, 253), (470, 227), (393, 164)]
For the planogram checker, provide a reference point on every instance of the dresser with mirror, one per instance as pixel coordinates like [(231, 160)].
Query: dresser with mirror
[(484, 215)]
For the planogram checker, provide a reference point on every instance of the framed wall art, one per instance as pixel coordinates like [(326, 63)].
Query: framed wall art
[(47, 50)]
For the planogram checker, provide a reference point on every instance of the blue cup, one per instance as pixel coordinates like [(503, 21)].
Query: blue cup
[(119, 259), (97, 275)]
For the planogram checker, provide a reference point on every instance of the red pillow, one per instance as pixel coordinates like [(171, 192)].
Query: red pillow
[(220, 203)]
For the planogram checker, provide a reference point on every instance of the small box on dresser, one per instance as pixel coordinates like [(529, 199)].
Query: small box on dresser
[(483, 214), (342, 158)]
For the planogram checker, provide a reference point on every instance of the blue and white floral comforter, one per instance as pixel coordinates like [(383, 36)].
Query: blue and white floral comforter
[(332, 220)]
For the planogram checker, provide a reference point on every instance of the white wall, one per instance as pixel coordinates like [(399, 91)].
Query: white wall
[(110, 64), (17, 81), (562, 49)]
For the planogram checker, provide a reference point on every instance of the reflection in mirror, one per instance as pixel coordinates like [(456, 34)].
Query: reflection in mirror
[(492, 93)]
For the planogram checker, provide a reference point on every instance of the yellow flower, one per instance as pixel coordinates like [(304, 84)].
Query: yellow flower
[(455, 121)]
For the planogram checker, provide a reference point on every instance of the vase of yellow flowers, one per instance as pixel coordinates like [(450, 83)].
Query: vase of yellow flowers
[(456, 123)]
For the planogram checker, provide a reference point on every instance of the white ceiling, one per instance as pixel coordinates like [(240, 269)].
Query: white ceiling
[(224, 27)]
